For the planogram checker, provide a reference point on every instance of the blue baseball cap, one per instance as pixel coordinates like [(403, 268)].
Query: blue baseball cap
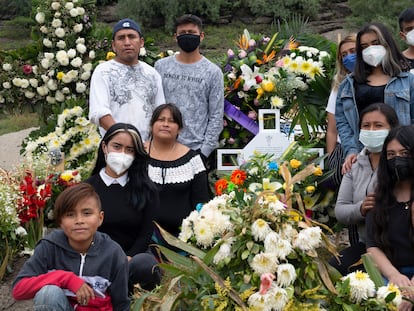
[(126, 23)]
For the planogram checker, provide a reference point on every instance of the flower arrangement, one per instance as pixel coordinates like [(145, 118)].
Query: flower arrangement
[(263, 74), (65, 60), (74, 136), (249, 250), (12, 234)]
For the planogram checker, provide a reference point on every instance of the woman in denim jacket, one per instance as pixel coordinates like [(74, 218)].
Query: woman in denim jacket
[(378, 77)]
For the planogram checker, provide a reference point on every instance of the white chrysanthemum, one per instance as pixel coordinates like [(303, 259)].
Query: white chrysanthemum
[(78, 28), (217, 221), (264, 263), (257, 302), (7, 67), (56, 23), (61, 44), (186, 230), (308, 238), (91, 54), (60, 32), (361, 286), (80, 40), (73, 12), (62, 57), (285, 275), (81, 10), (384, 291), (276, 102), (6, 85), (280, 247), (44, 29), (55, 5), (69, 6), (29, 94), (203, 234), (260, 229), (276, 298), (33, 82), (76, 62), (40, 17), (81, 48), (20, 231), (224, 251), (277, 207)]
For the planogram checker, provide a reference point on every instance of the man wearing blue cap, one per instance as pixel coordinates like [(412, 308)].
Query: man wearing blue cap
[(125, 89)]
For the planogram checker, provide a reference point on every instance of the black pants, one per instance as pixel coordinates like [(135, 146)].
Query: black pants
[(348, 258)]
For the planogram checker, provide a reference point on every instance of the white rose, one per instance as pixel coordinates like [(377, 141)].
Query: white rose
[(35, 70), (80, 40), (29, 94), (67, 79), (59, 96), (51, 73), (73, 74), (52, 85), (71, 53), (80, 87), (7, 67), (62, 58), (76, 62), (2, 100), (44, 29), (45, 78), (91, 54), (47, 43), (81, 11), (57, 15), (50, 99), (85, 75), (24, 83), (17, 82), (142, 51), (60, 32), (49, 56), (6, 85), (66, 90), (40, 17), (33, 82), (87, 67), (78, 28), (42, 90), (73, 12), (20, 231), (81, 48), (55, 6), (69, 6), (61, 44), (56, 23)]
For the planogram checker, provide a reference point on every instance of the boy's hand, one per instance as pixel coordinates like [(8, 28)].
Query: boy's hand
[(84, 294)]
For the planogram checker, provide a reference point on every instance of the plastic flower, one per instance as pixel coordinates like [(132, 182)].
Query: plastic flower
[(238, 177)]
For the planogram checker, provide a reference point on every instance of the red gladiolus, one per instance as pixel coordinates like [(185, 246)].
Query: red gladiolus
[(238, 177), (27, 69), (220, 186)]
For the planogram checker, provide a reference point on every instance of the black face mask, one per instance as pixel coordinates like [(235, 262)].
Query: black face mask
[(401, 168), (188, 42)]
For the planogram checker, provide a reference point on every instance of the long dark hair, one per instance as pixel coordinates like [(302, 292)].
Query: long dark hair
[(393, 63), (175, 112), (384, 192), (142, 188)]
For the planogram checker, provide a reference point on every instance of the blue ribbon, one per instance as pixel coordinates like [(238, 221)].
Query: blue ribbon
[(241, 118)]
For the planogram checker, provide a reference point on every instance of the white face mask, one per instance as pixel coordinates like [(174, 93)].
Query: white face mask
[(373, 55), (119, 162), (409, 37), (373, 140)]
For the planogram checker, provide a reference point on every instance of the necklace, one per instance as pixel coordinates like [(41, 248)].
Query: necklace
[(406, 204)]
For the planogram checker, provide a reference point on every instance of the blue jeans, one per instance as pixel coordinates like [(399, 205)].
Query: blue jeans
[(51, 298)]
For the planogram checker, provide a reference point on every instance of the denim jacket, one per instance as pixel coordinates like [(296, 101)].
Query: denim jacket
[(398, 93)]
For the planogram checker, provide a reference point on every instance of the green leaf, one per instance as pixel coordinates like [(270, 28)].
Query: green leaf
[(372, 270)]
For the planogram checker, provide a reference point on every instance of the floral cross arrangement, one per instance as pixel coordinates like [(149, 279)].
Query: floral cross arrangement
[(263, 74), (249, 249)]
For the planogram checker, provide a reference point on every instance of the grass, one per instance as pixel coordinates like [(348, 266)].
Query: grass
[(17, 122)]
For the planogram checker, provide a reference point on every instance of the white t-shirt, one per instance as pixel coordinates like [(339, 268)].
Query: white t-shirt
[(128, 93), (332, 105)]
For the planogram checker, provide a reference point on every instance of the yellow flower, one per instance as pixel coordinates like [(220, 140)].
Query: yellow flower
[(306, 67), (295, 163), (285, 186), (259, 92), (110, 55), (268, 85), (294, 215), (310, 189), (310, 201), (66, 176), (60, 75), (318, 171), (276, 102)]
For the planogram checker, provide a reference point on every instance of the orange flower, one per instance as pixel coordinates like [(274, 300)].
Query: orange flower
[(266, 58), (238, 177), (220, 186)]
